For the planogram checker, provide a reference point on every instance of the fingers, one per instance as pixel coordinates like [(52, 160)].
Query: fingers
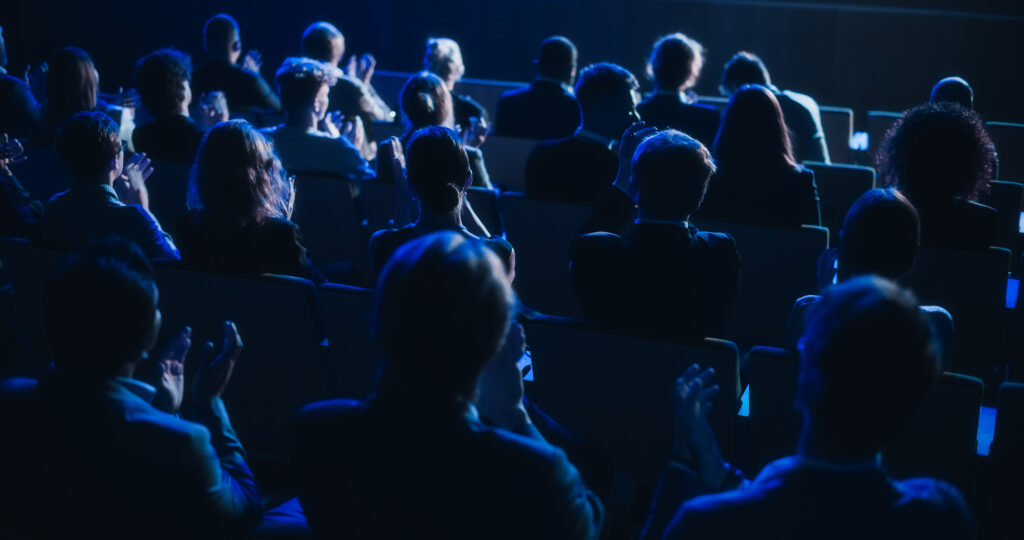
[(708, 394), (232, 346), (178, 348)]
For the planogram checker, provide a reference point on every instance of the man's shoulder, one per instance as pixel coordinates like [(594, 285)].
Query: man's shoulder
[(931, 495), (321, 411)]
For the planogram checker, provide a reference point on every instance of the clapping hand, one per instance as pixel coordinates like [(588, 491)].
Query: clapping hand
[(36, 79), (361, 68), (133, 180), (128, 100), (694, 442), (500, 389), (215, 370), (253, 61), (10, 153), (476, 133), (631, 139), (170, 372)]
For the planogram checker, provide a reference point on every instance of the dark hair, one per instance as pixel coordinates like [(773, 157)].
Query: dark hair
[(100, 307), (87, 143), (743, 68), (318, 40), (937, 151), (753, 136), (676, 60), (425, 101), (71, 86), (602, 84), (219, 31), (160, 78), (869, 357), (441, 311), (880, 235), (299, 80), (955, 90), (670, 173), (556, 58), (437, 167)]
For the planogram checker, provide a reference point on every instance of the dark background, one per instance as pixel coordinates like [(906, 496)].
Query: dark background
[(858, 53)]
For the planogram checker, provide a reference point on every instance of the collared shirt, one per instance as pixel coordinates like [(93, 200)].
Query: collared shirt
[(313, 151)]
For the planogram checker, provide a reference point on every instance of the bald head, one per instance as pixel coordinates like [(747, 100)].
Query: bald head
[(324, 42), (953, 90)]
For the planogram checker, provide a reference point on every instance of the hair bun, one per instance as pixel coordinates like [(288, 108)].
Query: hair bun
[(427, 101)]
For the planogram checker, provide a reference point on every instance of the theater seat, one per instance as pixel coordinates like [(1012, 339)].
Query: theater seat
[(42, 174), (345, 314), (1006, 198), (28, 268), (485, 205), (839, 186), (329, 221), (774, 421), (1006, 464), (505, 158), (168, 192), (837, 123), (878, 125), (1009, 140)]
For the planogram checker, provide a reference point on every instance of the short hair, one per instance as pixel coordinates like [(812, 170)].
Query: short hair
[(604, 83), (99, 308), (753, 135), (880, 235), (437, 167), (936, 151), (676, 61), (87, 143), (425, 100), (955, 90), (444, 57), (299, 80), (556, 58), (219, 31), (160, 77), (318, 40), (72, 85), (670, 173), (743, 68), (869, 357), (442, 309)]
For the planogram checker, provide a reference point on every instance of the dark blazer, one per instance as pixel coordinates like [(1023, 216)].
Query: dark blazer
[(803, 118), (385, 242), (957, 224), (171, 138), (784, 200), (570, 170), (394, 469), (20, 114), (242, 88), (465, 108), (670, 111), (543, 110), (19, 212)]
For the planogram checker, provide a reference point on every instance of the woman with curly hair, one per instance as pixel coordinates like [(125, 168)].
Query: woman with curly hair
[(940, 157)]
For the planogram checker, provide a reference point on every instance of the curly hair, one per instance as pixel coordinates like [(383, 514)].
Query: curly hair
[(160, 78), (937, 151)]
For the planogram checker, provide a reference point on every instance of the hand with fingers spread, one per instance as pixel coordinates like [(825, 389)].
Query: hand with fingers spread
[(170, 372), (631, 139), (253, 61), (136, 170), (11, 152), (476, 133), (694, 442), (367, 63), (500, 389), (352, 129), (215, 371)]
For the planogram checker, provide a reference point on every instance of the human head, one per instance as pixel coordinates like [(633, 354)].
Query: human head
[(442, 309), (304, 84), (670, 173), (221, 38), (237, 177), (444, 58), (675, 62), (753, 135), (438, 168), (162, 79), (100, 309), (868, 358), (954, 90), (608, 95), (72, 84), (324, 42), (89, 146), (743, 68), (937, 151), (880, 235), (425, 100), (556, 59)]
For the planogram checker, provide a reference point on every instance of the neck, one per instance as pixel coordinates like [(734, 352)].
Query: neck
[(126, 370), (821, 447), (304, 120), (642, 214), (451, 219), (661, 89)]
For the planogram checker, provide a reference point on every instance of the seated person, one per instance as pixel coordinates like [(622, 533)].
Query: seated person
[(444, 59), (868, 360), (162, 79), (579, 169), (241, 204), (665, 279), (758, 181), (100, 454), (439, 172), (674, 66), (940, 157), (212, 108), (90, 148), (20, 112), (243, 85), (72, 86), (443, 318), (304, 84), (953, 90), (801, 112), (547, 109), (19, 212), (880, 235)]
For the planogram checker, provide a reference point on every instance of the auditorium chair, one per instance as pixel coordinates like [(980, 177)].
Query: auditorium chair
[(616, 392), (878, 124), (42, 174), (1006, 198), (378, 203), (486, 92), (837, 123), (382, 131), (717, 102), (505, 158), (774, 421), (1009, 141), (485, 205), (168, 192), (839, 186), (28, 268), (345, 314), (1006, 465), (330, 222)]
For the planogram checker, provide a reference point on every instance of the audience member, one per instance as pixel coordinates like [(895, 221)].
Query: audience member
[(953, 90), (241, 204), (19, 212), (758, 181), (665, 279), (243, 85), (674, 66), (443, 318), (20, 112), (72, 86), (213, 108), (444, 59), (578, 169), (90, 148), (547, 109), (162, 80), (868, 359), (801, 112), (940, 157)]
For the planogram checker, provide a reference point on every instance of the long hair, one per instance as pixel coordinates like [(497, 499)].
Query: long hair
[(71, 86), (753, 136), (425, 102)]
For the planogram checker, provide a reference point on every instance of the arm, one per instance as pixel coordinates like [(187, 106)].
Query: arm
[(156, 243), (616, 206)]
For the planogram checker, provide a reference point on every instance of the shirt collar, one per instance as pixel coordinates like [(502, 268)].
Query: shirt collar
[(591, 136), (143, 391), (564, 86)]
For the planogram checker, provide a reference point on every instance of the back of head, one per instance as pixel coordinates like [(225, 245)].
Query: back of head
[(937, 151), (299, 81), (444, 58), (438, 168), (675, 62), (556, 59), (880, 235), (425, 101), (324, 42), (868, 360), (220, 33), (954, 90), (100, 309), (743, 68), (71, 85), (442, 309), (670, 173), (605, 86), (161, 77), (87, 143), (753, 135)]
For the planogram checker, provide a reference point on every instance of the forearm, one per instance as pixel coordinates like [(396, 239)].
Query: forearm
[(212, 414)]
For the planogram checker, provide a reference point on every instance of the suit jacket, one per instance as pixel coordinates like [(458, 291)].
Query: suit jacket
[(803, 118), (544, 110), (957, 224), (786, 200), (242, 88), (20, 113), (670, 111), (385, 242), (93, 458), (465, 108), (171, 138), (571, 170), (400, 468), (19, 212)]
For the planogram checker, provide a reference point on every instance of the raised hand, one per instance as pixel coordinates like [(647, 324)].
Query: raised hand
[(476, 133), (253, 61), (367, 63), (128, 100), (631, 139), (215, 370), (170, 372), (500, 389), (352, 67), (694, 442), (134, 174), (36, 79), (352, 129), (11, 152)]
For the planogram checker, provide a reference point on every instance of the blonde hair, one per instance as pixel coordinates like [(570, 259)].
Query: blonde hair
[(444, 57)]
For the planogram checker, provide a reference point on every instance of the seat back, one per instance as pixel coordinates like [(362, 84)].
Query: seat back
[(774, 421), (717, 102), (345, 313), (1006, 198), (28, 268), (837, 123), (1009, 140), (838, 187), (506, 161), (382, 131), (42, 174), (486, 92), (485, 206), (330, 222), (377, 200), (168, 192), (878, 124), (616, 392), (1006, 463)]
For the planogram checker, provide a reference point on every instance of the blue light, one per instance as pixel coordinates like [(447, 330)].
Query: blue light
[(986, 429), (1012, 290), (745, 402)]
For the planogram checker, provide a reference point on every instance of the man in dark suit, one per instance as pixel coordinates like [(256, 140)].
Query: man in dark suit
[(417, 460), (162, 79), (547, 109), (868, 359), (665, 279), (243, 85), (674, 66), (20, 113), (578, 169)]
